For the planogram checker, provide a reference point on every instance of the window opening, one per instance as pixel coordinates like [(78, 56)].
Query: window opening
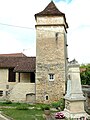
[(47, 97), (19, 77), (11, 75), (56, 36), (1, 93), (32, 77), (51, 77)]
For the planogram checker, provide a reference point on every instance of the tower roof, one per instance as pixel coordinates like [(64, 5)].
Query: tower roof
[(51, 10)]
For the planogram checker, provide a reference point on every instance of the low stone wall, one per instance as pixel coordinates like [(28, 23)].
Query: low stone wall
[(21, 90)]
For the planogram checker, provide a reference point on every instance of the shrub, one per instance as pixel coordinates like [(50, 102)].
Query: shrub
[(45, 107), (56, 105), (18, 103), (7, 102), (60, 104)]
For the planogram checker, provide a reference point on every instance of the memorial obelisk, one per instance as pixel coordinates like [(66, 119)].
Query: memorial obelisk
[(74, 99)]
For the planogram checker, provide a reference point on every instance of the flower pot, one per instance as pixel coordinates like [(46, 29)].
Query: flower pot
[(47, 112)]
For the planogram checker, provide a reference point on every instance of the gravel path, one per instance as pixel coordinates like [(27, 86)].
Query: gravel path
[(3, 118)]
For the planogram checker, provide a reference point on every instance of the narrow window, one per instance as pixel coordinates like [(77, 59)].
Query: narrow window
[(47, 97), (51, 77), (19, 77), (56, 36), (11, 75), (32, 77), (1, 93)]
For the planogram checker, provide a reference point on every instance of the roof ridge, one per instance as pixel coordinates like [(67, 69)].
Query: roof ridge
[(13, 55)]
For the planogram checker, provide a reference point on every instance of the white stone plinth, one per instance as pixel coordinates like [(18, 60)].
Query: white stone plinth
[(68, 114), (74, 99)]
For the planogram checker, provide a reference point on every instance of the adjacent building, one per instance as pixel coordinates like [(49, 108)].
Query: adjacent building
[(17, 77)]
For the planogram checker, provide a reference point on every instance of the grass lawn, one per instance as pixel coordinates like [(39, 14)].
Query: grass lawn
[(23, 111), (23, 114)]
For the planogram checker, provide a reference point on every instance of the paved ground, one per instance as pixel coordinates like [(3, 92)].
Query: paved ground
[(3, 118), (51, 117)]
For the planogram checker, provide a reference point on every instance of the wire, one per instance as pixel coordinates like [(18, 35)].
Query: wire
[(29, 28), (16, 26)]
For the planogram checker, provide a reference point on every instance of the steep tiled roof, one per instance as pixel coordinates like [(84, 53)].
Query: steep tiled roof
[(51, 9), (82, 70), (24, 64)]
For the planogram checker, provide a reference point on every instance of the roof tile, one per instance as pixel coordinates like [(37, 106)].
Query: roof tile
[(13, 55), (51, 9), (24, 64)]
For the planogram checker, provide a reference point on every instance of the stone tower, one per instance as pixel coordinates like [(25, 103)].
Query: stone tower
[(51, 54)]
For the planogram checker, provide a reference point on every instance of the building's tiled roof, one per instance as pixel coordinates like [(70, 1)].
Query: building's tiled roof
[(28, 65), (51, 10), (82, 70), (23, 64), (13, 55)]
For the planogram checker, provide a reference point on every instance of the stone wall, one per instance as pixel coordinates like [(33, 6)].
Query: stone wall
[(50, 59), (20, 90), (3, 75), (15, 91), (50, 20)]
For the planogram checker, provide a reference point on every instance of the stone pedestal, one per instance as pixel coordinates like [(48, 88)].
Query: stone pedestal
[(74, 99)]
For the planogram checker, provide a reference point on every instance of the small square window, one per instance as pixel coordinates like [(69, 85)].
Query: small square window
[(51, 77)]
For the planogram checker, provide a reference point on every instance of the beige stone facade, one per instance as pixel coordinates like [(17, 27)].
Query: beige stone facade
[(51, 58), (16, 91), (20, 92)]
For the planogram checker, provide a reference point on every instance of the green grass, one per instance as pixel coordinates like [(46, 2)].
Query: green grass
[(23, 111), (23, 114), (7, 104)]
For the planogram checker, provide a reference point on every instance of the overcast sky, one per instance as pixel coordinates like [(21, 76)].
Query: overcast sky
[(14, 13)]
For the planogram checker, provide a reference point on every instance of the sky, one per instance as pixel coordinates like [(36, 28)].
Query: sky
[(17, 26)]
